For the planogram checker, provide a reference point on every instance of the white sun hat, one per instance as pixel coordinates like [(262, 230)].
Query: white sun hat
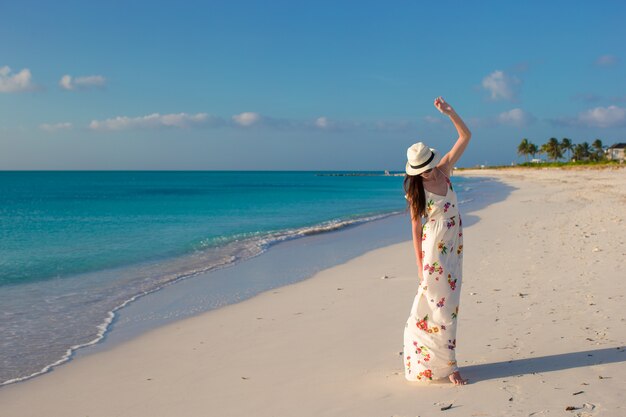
[(421, 158)]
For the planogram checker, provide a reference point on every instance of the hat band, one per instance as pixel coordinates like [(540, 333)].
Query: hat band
[(432, 155)]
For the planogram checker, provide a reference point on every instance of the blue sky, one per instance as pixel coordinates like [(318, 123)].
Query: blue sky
[(301, 85)]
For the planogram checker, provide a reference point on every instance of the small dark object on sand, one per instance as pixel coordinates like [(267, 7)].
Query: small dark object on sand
[(579, 392), (571, 407), (447, 407)]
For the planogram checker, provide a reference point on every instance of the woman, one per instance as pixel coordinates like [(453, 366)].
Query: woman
[(430, 331)]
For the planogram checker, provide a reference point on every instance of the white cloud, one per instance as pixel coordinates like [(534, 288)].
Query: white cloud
[(156, 120), (14, 83), (501, 86), (322, 122), (66, 82), (607, 61), (81, 83), (90, 81), (326, 124), (515, 117), (55, 126), (247, 118), (611, 116)]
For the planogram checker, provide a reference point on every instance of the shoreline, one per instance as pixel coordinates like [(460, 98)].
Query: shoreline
[(112, 316), (341, 329)]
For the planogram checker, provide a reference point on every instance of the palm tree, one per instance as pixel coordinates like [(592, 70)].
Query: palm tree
[(552, 149), (582, 151), (522, 148), (532, 149), (567, 145), (599, 150)]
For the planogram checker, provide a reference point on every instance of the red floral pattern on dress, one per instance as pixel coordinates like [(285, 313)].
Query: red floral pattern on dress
[(435, 267), (442, 247), (422, 350), (426, 374), (451, 282), (423, 325)]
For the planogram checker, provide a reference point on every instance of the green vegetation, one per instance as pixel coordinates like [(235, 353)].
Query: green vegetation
[(573, 165), (564, 152), (568, 164)]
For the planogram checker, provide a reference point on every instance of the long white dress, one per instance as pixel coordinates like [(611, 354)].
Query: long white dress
[(430, 331)]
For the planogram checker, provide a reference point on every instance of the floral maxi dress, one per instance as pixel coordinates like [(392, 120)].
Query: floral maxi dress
[(430, 331)]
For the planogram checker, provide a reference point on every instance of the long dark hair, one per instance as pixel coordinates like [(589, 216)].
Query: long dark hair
[(414, 189)]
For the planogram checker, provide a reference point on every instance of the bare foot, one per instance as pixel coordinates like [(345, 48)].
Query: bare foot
[(456, 378)]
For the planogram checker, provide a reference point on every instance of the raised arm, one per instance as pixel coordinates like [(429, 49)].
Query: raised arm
[(449, 160)]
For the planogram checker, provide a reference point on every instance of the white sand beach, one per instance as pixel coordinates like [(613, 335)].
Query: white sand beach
[(541, 327)]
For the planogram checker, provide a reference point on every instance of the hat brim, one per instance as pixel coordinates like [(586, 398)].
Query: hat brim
[(431, 165)]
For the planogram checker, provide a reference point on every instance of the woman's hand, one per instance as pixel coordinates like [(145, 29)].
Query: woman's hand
[(443, 107), (449, 160)]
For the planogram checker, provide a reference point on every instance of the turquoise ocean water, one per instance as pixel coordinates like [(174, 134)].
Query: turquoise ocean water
[(77, 246)]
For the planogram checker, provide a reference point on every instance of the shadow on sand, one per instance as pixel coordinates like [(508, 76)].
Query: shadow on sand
[(519, 367), (493, 191)]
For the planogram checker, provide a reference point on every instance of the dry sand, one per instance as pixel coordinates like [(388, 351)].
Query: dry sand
[(541, 319)]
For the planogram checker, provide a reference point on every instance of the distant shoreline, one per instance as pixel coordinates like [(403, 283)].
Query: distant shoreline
[(545, 167), (551, 166)]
